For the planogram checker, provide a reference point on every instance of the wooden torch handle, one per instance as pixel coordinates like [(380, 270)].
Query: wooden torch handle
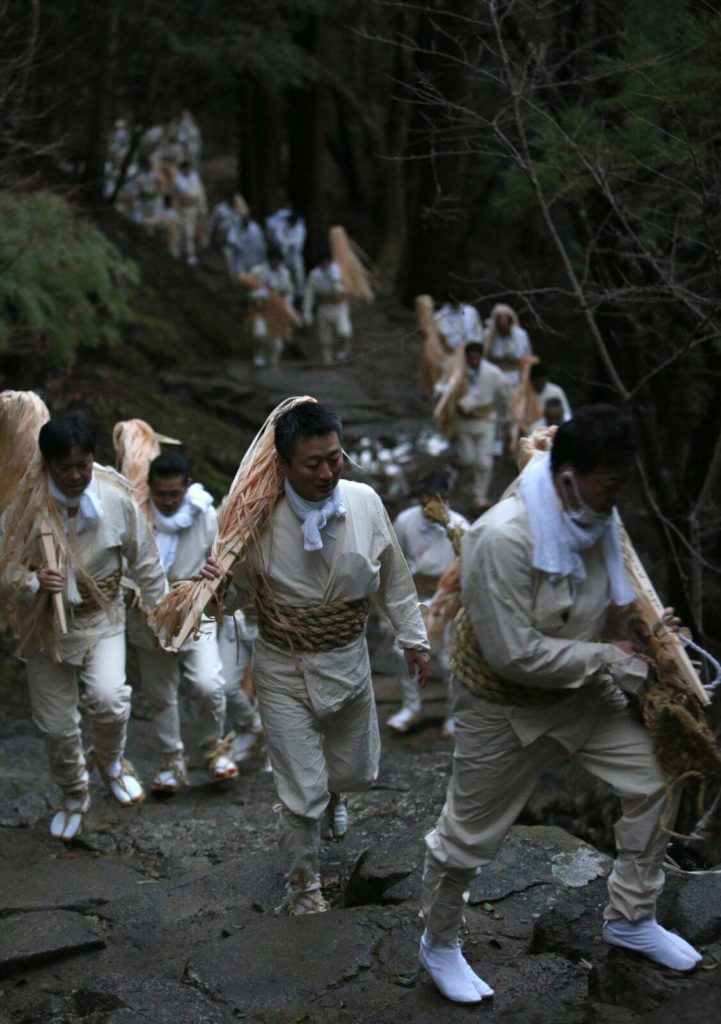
[(51, 560)]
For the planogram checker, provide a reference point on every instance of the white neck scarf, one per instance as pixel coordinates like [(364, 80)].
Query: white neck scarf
[(168, 528), (314, 515), (558, 541), (88, 504)]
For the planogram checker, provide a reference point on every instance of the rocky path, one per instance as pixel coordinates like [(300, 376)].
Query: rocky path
[(165, 912)]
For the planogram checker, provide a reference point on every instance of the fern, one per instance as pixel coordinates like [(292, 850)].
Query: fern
[(59, 277)]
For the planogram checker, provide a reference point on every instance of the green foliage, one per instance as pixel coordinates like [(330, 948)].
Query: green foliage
[(644, 134), (60, 278)]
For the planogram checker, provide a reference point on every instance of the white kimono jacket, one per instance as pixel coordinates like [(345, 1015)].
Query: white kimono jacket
[(120, 539), (361, 558)]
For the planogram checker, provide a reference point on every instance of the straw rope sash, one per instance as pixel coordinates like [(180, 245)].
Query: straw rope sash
[(323, 627), (108, 588), (471, 669)]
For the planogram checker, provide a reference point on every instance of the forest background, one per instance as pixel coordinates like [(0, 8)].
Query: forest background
[(562, 155)]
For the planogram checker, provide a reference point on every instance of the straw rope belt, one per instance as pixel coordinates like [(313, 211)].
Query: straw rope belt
[(331, 300), (109, 587), (480, 412), (322, 627), (470, 668)]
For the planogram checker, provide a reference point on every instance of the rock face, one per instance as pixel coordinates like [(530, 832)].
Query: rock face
[(39, 938), (166, 913)]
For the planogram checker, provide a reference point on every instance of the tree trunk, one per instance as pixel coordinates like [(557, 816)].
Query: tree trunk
[(101, 87), (309, 112)]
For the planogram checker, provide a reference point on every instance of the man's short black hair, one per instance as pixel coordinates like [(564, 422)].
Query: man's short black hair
[(474, 346), (597, 435), (274, 253), (434, 483), (59, 436), (553, 403), (308, 419), (539, 371), (168, 465)]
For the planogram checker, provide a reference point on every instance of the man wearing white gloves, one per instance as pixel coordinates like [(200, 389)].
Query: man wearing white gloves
[(540, 668)]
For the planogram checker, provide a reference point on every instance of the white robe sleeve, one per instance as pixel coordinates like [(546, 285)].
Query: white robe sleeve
[(141, 555), (497, 591), (396, 596)]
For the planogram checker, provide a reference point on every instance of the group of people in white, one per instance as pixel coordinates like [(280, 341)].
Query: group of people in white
[(155, 181), (544, 627), (114, 540), (490, 379)]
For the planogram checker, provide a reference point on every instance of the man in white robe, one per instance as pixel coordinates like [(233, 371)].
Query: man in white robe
[(457, 323), (429, 552), (185, 524), (546, 389), (328, 550), (107, 537), (272, 276), (476, 413), (325, 302), (553, 416), (506, 342), (190, 204), (542, 580)]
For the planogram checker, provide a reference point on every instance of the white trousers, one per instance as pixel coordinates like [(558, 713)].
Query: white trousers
[(312, 758), (199, 665), (493, 777), (54, 696), (235, 658), (474, 442), (188, 217), (334, 330), (271, 349)]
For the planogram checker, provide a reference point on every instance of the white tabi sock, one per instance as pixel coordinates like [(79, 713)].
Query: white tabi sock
[(451, 972), (123, 785), (68, 820), (648, 938)]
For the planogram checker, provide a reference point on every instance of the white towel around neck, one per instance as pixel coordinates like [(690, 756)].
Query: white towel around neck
[(558, 541), (314, 515), (88, 504), (167, 529)]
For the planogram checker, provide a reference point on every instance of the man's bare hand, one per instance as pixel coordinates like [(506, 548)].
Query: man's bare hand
[(51, 581), (213, 570), (669, 619), (419, 665), (627, 646)]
